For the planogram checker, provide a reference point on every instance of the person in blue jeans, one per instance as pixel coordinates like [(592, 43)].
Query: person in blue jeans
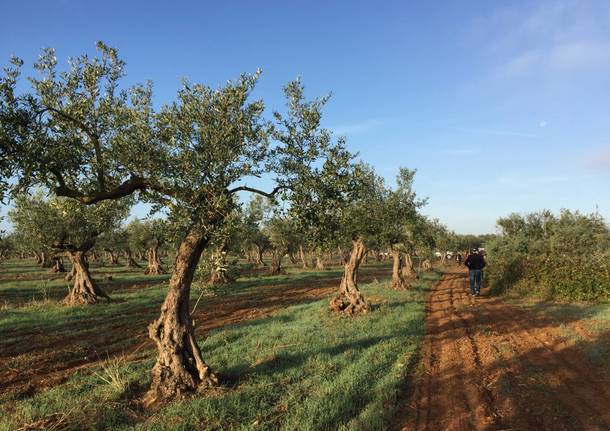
[(475, 263)]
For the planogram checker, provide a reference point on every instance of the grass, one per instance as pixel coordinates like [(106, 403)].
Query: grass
[(301, 368)]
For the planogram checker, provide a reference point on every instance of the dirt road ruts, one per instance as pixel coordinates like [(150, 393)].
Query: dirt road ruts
[(488, 365)]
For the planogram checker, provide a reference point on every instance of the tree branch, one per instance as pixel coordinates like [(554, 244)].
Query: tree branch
[(125, 189), (270, 195), (69, 117)]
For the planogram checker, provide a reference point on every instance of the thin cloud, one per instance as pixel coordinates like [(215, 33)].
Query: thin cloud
[(548, 38), (458, 151), (357, 128), (530, 181), (598, 160), (572, 57), (496, 132)]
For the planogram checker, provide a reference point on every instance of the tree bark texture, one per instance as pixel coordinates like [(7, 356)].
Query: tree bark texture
[(303, 257), (84, 289), (408, 271), (131, 262), (58, 264), (259, 256), (398, 281), (426, 265), (180, 368), (113, 257), (320, 264), (154, 262), (349, 300), (276, 262)]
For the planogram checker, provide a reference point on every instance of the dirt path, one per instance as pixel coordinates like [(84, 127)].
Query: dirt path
[(491, 366)]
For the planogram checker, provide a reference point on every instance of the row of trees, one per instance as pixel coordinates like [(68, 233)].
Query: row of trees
[(97, 148)]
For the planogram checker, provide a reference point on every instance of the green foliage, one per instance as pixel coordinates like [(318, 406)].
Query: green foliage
[(400, 212), (62, 223), (82, 135), (565, 256), (316, 172), (251, 222)]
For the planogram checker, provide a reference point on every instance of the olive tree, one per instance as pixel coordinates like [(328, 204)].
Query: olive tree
[(343, 208), (70, 227), (400, 211), (281, 231), (251, 228), (85, 138), (113, 243)]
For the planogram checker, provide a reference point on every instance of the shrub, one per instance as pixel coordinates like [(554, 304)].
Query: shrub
[(565, 257)]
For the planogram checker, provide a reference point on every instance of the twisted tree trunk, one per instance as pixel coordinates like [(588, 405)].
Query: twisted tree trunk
[(154, 263), (320, 264), (276, 262), (58, 264), (349, 300), (45, 261), (70, 275), (303, 257), (180, 368), (84, 290), (426, 265), (113, 257), (398, 281), (259, 256), (408, 271), (131, 262)]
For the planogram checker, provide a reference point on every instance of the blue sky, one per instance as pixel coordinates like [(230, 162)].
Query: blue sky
[(501, 106)]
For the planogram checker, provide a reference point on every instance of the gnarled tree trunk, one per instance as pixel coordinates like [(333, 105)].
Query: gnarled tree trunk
[(349, 299), (84, 290), (70, 275), (259, 256), (154, 263), (303, 257), (180, 368), (426, 265), (113, 257), (408, 271), (398, 281), (276, 262), (45, 262), (320, 263), (58, 264), (131, 262)]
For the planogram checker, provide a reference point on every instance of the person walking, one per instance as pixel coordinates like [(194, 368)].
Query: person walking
[(475, 263)]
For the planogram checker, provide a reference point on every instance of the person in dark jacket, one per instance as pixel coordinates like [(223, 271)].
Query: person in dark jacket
[(475, 263)]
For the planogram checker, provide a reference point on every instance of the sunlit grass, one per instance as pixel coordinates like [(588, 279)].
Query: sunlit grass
[(302, 368)]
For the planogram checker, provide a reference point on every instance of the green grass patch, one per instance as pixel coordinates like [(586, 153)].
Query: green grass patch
[(302, 368)]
